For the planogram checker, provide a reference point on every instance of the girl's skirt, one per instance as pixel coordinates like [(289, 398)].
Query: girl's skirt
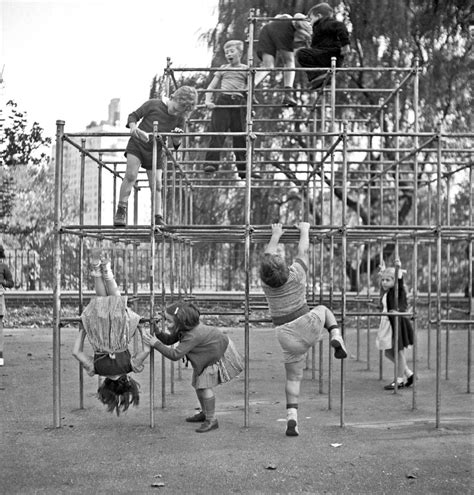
[(109, 323), (228, 367)]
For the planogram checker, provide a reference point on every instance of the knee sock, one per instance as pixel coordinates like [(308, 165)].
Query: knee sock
[(292, 412), (201, 402), (209, 408)]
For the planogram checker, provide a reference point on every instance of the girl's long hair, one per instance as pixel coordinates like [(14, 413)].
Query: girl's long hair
[(119, 394), (186, 315)]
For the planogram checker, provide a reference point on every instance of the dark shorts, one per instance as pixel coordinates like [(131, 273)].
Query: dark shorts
[(271, 39), (118, 363), (144, 152)]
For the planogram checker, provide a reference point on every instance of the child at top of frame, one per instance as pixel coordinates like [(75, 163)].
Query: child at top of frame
[(297, 328), (385, 339), (282, 37), (110, 325), (212, 354), (330, 38), (170, 113), (233, 86)]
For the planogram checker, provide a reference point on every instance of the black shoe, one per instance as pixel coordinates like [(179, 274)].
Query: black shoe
[(197, 418), (392, 386), (208, 426), (288, 101), (339, 347), (210, 169), (292, 428), (159, 222), (410, 380), (120, 218), (243, 175)]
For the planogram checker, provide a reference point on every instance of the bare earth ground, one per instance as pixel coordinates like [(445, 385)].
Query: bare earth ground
[(384, 447)]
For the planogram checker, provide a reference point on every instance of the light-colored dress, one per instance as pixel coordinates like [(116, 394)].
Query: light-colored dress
[(110, 325), (384, 334)]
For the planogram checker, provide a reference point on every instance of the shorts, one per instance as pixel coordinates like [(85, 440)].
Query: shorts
[(273, 38), (144, 152), (299, 335), (227, 368)]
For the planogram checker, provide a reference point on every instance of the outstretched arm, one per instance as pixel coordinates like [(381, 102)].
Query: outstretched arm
[(78, 353), (140, 356), (303, 245), (277, 232)]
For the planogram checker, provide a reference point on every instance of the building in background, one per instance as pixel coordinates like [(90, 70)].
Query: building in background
[(95, 212)]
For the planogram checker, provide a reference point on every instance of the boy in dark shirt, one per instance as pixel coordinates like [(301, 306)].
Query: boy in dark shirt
[(330, 39), (170, 113)]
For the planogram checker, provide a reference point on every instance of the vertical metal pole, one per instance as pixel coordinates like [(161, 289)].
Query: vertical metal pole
[(344, 259), (248, 192), (57, 276), (448, 274), (415, 238), (469, 290), (99, 191), (439, 278), (81, 258), (396, 320), (152, 270), (429, 296)]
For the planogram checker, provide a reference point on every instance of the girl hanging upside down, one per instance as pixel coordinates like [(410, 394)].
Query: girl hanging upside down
[(110, 326)]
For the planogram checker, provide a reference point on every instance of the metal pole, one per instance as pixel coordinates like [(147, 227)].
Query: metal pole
[(57, 276), (438, 282)]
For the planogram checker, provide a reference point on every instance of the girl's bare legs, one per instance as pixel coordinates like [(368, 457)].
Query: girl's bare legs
[(403, 369), (108, 279), (99, 285)]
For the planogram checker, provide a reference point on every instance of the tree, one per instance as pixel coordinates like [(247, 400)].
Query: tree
[(28, 212), (20, 148), (384, 33)]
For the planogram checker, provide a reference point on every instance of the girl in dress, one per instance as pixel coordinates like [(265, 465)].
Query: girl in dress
[(385, 340), (212, 354), (110, 326)]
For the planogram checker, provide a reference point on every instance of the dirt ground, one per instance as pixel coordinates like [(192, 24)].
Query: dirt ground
[(385, 446)]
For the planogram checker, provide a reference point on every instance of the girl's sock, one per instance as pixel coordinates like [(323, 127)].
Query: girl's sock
[(210, 408)]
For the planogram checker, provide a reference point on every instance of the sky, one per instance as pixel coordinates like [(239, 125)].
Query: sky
[(66, 59)]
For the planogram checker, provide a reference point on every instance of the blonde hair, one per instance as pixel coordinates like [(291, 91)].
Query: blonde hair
[(388, 272), (239, 44), (323, 9)]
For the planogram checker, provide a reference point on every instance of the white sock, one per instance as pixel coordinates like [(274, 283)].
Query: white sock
[(292, 413)]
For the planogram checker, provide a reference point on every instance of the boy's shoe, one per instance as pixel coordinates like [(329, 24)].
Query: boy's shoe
[(210, 169), (340, 351), (197, 418), (208, 426), (120, 218), (409, 381), (292, 428), (159, 222), (288, 101), (391, 386)]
